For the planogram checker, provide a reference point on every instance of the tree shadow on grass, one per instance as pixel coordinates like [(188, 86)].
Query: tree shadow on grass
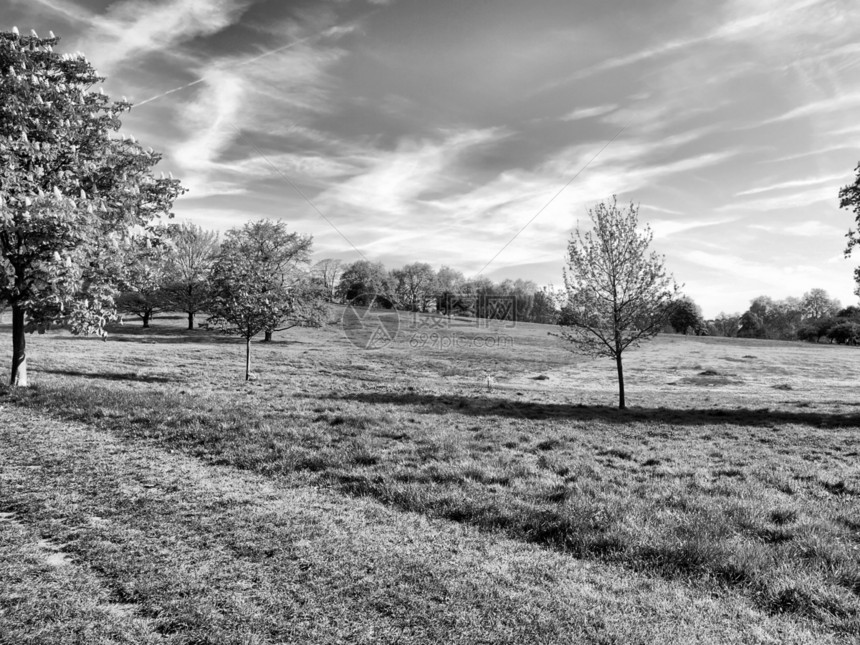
[(481, 406), (171, 335), (114, 376)]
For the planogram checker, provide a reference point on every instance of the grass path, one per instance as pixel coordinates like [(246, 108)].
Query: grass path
[(112, 541)]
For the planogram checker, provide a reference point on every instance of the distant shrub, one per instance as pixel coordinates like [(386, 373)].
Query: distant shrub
[(845, 333)]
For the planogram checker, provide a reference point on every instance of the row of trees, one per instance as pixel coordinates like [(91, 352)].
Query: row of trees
[(83, 232), (419, 287), (174, 273), (787, 319), (170, 272)]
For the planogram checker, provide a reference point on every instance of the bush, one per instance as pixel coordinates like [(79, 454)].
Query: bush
[(845, 333)]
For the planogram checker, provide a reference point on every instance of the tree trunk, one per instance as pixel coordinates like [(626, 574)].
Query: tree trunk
[(146, 320), (621, 404), (247, 359), (267, 336), (19, 342), (190, 320)]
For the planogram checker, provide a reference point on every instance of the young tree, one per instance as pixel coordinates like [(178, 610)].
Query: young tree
[(259, 285), (187, 273), (69, 192), (617, 291)]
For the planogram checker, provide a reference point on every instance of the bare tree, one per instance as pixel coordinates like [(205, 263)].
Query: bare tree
[(816, 303), (328, 271), (618, 293), (415, 283)]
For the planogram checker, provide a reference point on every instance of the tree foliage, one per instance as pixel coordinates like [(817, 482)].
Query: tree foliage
[(846, 332), (849, 199), (449, 280), (414, 285), (725, 325), (686, 315), (69, 191), (193, 252), (327, 272), (816, 303), (618, 292), (260, 283), (141, 276), (362, 280)]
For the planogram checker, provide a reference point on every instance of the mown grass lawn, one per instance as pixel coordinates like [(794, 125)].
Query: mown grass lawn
[(729, 489)]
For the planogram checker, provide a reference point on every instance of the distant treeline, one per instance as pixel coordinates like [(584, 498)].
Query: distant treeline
[(419, 287), (813, 317)]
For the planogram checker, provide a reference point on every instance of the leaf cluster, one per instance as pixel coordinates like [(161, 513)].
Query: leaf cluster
[(260, 282), (618, 292), (70, 190)]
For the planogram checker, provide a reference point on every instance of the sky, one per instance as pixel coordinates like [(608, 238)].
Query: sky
[(478, 133)]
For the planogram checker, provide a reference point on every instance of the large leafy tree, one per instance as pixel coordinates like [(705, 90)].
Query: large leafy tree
[(684, 315), (618, 292), (415, 285), (449, 280), (193, 252), (849, 199), (817, 304), (260, 284), (70, 191), (362, 281)]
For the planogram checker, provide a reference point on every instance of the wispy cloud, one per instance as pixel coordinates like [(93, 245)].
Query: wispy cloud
[(810, 228), (587, 113), (666, 228), (792, 200), (131, 29), (795, 183), (815, 108)]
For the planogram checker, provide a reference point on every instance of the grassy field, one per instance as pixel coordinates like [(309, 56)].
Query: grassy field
[(474, 486)]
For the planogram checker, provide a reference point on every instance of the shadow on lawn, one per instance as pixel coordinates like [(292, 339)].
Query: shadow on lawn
[(156, 335), (487, 406), (126, 376)]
